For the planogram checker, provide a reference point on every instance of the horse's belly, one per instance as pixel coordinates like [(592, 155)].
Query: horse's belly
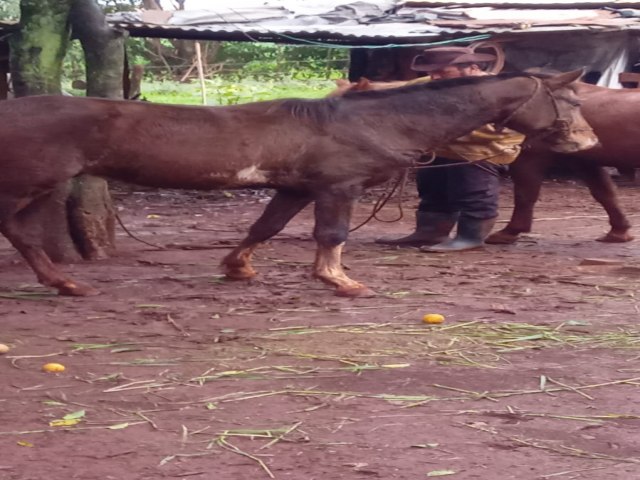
[(185, 175), (619, 155)]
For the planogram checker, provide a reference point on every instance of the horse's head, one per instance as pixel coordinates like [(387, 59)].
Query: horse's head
[(552, 114)]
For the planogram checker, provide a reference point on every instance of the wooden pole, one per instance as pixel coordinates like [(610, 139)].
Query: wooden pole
[(201, 73)]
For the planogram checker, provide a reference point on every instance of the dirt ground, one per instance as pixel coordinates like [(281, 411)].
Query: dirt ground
[(173, 372)]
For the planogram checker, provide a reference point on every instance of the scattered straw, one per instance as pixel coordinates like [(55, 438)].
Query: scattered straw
[(562, 449), (228, 446)]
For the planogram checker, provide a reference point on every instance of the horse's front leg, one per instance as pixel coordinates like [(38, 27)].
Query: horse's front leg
[(333, 214), (527, 174), (604, 192), (280, 210)]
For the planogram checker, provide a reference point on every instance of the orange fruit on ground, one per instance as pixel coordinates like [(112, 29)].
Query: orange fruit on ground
[(433, 318), (53, 367)]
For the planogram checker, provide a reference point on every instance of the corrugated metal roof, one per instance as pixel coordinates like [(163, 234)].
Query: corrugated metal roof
[(378, 22), (528, 3)]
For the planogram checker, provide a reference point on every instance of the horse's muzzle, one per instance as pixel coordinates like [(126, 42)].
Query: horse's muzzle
[(575, 141)]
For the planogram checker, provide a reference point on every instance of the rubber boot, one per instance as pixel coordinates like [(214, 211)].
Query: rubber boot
[(471, 234), (431, 228)]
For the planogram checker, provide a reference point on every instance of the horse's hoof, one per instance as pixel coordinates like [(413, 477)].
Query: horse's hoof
[(352, 292), (74, 289), (501, 238), (615, 238), (240, 274)]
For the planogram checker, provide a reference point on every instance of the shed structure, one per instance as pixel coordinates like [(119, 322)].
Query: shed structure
[(383, 35)]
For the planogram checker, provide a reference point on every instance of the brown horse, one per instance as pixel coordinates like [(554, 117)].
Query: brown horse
[(324, 151), (614, 115)]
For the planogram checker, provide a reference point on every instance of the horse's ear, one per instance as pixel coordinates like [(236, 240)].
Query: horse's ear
[(563, 79)]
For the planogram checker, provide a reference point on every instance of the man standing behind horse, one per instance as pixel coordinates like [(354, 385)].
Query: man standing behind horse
[(462, 183)]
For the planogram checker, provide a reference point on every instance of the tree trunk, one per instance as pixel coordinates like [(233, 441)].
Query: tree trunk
[(91, 213), (37, 51), (78, 222), (4, 69), (38, 48)]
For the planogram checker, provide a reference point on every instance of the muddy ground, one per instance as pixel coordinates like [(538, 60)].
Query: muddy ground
[(173, 372)]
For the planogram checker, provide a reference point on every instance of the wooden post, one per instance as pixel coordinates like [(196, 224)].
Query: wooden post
[(4, 69), (201, 73)]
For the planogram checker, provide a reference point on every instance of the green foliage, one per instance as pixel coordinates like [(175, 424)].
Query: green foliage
[(9, 10), (110, 6), (264, 61), (73, 66), (225, 91), (272, 61), (137, 51)]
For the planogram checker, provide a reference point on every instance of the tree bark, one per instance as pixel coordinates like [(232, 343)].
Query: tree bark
[(91, 212), (4, 69), (37, 51), (79, 220), (38, 48)]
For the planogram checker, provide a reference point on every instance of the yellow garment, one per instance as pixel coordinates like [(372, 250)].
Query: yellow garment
[(485, 143)]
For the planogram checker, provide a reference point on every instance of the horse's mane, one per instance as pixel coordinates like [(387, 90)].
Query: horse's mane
[(437, 85), (321, 111)]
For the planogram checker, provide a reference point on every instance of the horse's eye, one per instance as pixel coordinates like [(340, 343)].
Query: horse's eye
[(574, 102)]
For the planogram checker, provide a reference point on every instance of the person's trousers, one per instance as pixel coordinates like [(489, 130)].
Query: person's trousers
[(471, 189)]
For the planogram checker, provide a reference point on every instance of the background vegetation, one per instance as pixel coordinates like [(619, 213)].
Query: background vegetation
[(237, 72)]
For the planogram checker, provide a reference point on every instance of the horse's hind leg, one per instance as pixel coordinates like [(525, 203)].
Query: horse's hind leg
[(333, 214), (282, 208), (604, 192), (13, 216)]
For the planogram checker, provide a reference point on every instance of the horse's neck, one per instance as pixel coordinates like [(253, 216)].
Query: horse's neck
[(437, 115)]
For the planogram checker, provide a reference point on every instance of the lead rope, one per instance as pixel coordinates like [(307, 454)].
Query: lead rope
[(386, 196), (402, 182), (160, 247)]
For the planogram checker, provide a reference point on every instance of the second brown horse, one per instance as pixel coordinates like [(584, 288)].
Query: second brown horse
[(614, 115)]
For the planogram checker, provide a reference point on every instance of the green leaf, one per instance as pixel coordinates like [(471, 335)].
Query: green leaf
[(64, 422), (74, 415)]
